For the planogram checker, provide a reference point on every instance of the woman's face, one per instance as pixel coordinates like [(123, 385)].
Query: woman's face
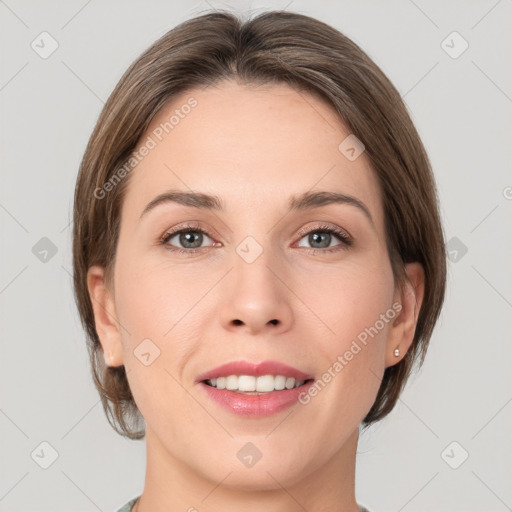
[(257, 287)]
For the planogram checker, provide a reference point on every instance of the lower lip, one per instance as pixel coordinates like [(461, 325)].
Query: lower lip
[(256, 405)]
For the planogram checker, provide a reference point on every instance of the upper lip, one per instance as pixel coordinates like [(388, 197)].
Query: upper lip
[(255, 369)]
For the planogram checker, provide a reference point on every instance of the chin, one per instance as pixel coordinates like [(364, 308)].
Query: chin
[(265, 477), (270, 472)]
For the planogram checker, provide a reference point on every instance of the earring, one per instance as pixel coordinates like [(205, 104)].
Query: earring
[(109, 358), (397, 352)]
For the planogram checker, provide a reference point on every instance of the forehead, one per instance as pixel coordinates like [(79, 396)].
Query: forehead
[(253, 145)]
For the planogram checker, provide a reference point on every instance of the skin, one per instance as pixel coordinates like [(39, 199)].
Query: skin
[(254, 147)]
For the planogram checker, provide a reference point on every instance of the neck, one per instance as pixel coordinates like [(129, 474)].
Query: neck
[(171, 484)]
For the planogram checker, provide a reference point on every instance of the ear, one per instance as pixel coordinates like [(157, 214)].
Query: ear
[(401, 333), (105, 317)]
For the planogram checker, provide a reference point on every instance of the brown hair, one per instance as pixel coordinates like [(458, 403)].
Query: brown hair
[(273, 47)]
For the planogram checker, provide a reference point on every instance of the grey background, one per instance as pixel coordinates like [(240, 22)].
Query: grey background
[(462, 108)]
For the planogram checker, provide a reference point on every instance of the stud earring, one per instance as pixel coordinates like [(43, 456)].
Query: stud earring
[(397, 352), (108, 358)]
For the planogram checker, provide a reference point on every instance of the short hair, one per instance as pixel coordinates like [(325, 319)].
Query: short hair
[(274, 47)]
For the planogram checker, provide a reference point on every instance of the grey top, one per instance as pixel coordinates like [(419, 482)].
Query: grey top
[(131, 503)]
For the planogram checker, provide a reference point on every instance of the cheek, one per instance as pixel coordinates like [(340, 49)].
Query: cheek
[(155, 305), (355, 307), (350, 300), (157, 338), (152, 299)]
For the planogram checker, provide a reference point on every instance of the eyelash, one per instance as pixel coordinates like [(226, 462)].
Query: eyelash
[(343, 237)]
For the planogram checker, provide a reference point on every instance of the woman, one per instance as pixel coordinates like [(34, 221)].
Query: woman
[(259, 261)]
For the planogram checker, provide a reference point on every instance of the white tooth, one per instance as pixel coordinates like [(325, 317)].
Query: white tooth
[(251, 384), (265, 383), (232, 382), (246, 383), (279, 383)]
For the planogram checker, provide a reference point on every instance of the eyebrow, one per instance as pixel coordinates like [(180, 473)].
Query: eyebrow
[(305, 201)]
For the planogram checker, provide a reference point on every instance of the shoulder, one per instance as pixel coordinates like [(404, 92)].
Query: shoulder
[(129, 505)]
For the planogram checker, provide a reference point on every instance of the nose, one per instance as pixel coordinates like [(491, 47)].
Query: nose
[(256, 298)]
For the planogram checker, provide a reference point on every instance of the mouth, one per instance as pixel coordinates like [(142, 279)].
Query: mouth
[(247, 376), (252, 385), (254, 404), (255, 389)]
